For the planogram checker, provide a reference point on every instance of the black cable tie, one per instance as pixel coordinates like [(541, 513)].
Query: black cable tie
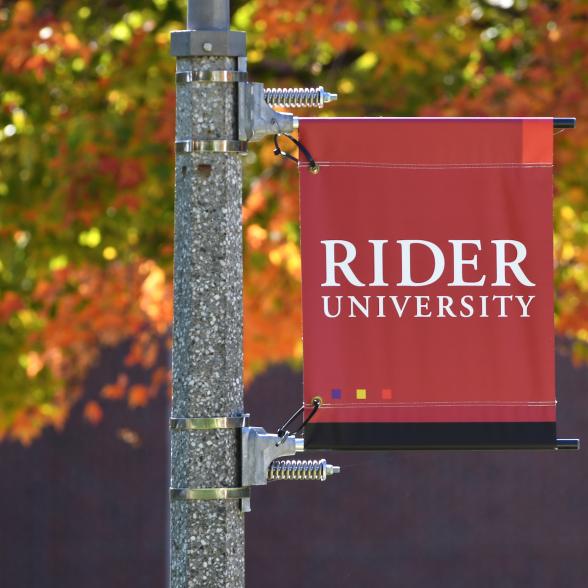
[(312, 164), (316, 405), (283, 432)]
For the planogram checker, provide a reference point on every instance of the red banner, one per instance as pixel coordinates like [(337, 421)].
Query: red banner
[(427, 264)]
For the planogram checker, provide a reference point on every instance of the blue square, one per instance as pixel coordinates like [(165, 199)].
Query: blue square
[(336, 394)]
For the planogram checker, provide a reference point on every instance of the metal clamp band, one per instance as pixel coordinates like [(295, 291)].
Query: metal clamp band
[(210, 493), (208, 423), (211, 146), (185, 77)]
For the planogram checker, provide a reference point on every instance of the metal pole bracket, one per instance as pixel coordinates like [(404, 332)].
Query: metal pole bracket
[(256, 117), (227, 76), (211, 146), (259, 449), (208, 423), (259, 452), (210, 493), (208, 43)]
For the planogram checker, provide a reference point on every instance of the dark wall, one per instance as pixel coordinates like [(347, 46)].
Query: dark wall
[(85, 508), (424, 519)]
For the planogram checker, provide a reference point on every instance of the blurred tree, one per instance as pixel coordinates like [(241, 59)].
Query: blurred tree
[(86, 186)]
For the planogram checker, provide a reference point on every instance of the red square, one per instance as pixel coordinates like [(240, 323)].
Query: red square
[(386, 394)]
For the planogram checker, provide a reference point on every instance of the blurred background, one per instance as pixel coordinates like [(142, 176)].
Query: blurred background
[(86, 236)]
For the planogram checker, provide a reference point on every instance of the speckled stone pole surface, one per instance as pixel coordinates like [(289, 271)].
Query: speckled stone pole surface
[(207, 537)]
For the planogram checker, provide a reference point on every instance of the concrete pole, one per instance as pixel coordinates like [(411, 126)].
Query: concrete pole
[(207, 537)]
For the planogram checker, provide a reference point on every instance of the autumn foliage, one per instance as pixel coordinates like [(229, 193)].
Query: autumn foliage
[(86, 162)]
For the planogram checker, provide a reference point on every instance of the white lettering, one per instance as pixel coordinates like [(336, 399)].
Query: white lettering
[(503, 300), (524, 307), (381, 306), (422, 303), (459, 262), (445, 303), (405, 245), (378, 262), (326, 306), (331, 264), (467, 306), (502, 264), (399, 309), (484, 302), (354, 303)]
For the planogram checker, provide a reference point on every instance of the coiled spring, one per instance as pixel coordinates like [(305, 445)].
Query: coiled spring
[(301, 469), (298, 97)]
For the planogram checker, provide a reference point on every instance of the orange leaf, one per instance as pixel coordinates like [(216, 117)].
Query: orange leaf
[(138, 395), (9, 304), (117, 390), (113, 391), (92, 412), (24, 429)]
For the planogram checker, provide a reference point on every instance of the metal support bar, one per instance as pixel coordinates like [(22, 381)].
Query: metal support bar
[(568, 444), (564, 123), (559, 444)]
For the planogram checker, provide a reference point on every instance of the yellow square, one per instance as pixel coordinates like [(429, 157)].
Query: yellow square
[(361, 393)]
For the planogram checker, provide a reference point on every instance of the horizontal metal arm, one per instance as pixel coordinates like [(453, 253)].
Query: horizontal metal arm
[(573, 444), (564, 123)]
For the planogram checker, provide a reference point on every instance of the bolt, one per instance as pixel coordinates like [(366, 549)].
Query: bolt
[(328, 97), (207, 47), (332, 469)]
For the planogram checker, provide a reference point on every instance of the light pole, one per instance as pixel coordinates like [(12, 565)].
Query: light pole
[(216, 458), (207, 536)]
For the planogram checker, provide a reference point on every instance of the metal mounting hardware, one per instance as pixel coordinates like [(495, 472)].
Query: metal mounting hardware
[(564, 123), (199, 43), (209, 493), (257, 118), (208, 423), (260, 449), (298, 97), (567, 444), (211, 146), (186, 77), (301, 469), (259, 460), (259, 452)]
